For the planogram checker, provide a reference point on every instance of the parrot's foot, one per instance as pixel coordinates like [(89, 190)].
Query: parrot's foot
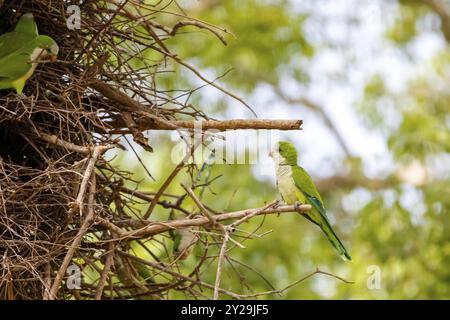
[(276, 204), (297, 205)]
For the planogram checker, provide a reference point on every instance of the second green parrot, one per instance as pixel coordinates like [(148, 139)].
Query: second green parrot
[(20, 52), (296, 186)]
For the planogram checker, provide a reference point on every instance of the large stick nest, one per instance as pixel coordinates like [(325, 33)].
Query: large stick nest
[(39, 180)]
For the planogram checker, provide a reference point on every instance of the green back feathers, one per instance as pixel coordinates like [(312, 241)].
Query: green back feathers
[(304, 182), (24, 39), (27, 25), (12, 42), (288, 151)]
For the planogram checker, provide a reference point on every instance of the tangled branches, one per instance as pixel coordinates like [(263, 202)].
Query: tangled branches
[(62, 204)]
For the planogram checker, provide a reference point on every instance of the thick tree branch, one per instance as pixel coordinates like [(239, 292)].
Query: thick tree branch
[(234, 124), (128, 104), (147, 119)]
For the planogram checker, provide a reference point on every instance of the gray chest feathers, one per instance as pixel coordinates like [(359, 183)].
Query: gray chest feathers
[(286, 184)]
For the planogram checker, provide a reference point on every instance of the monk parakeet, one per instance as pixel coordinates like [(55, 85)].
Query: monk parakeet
[(184, 242), (20, 52), (296, 186)]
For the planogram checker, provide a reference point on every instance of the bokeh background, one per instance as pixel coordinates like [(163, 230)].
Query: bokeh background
[(370, 79)]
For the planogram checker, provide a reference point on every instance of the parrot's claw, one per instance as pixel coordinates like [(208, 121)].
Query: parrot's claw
[(297, 205)]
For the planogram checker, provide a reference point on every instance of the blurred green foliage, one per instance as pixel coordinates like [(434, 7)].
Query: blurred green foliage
[(268, 37)]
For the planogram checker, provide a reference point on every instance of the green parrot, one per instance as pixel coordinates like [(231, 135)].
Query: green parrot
[(184, 242), (20, 52), (296, 186)]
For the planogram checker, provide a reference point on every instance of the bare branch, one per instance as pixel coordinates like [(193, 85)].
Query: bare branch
[(77, 240), (78, 204), (71, 146), (235, 124), (200, 205), (169, 179), (128, 103), (105, 271), (317, 271), (153, 227), (223, 250)]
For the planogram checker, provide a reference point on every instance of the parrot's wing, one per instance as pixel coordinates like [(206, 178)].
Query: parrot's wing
[(304, 182), (27, 25), (13, 42), (176, 241), (14, 66)]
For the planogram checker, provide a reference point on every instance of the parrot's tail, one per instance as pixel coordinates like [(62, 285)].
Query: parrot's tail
[(333, 238), (319, 217)]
